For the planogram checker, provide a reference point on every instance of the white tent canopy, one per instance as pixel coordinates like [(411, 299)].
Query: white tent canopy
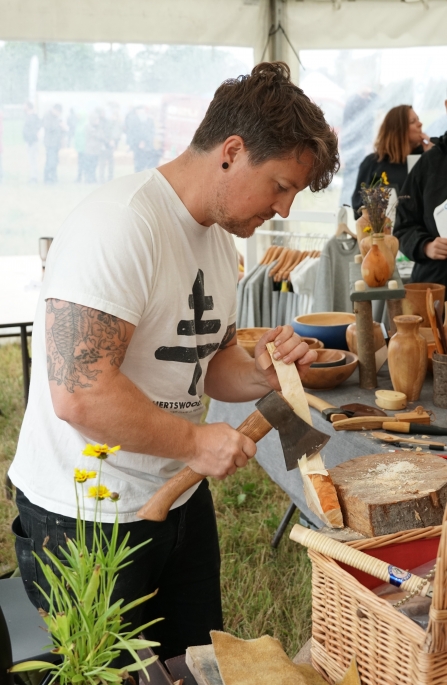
[(309, 23)]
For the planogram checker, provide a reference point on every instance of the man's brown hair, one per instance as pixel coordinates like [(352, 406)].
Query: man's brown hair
[(274, 118), (392, 140)]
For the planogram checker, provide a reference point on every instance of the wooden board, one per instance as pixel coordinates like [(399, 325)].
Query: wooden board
[(382, 293), (388, 493)]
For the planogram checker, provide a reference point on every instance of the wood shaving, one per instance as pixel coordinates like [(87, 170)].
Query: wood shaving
[(390, 472)]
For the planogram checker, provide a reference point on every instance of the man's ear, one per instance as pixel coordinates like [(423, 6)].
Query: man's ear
[(233, 146)]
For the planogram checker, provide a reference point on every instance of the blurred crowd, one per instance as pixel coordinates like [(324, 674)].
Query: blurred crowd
[(95, 137)]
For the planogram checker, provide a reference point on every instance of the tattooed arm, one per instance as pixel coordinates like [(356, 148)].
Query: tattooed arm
[(233, 376), (85, 350)]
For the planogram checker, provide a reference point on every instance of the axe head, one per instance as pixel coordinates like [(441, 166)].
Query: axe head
[(298, 438)]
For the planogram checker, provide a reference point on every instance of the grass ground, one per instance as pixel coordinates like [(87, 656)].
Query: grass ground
[(264, 591)]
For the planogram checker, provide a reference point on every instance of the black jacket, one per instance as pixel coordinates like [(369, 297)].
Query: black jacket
[(371, 169), (426, 186)]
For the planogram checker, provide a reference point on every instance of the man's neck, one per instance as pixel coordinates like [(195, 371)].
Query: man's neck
[(186, 174)]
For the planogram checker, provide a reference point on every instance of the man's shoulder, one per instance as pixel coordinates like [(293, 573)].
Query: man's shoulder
[(124, 191)]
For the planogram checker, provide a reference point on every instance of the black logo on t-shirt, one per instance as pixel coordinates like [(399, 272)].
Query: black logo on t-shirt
[(200, 303)]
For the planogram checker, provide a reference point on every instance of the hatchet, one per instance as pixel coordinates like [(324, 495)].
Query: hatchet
[(297, 438)]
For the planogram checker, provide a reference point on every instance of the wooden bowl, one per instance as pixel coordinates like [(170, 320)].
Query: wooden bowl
[(325, 378), (248, 338), (329, 358), (329, 327), (313, 343)]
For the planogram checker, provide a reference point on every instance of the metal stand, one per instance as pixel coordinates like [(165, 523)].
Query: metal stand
[(276, 539)]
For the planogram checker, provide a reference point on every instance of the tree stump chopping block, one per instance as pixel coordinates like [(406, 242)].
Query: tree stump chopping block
[(387, 493)]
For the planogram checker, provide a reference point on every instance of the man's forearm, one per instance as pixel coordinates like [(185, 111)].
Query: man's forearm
[(232, 377)]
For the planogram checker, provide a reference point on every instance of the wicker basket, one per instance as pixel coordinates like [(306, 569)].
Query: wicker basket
[(348, 619)]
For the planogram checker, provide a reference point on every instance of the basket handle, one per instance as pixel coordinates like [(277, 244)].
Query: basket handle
[(361, 561)]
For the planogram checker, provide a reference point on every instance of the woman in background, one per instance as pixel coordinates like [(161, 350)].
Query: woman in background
[(400, 135)]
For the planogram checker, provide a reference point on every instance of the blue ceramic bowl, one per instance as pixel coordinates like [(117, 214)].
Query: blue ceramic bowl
[(329, 327)]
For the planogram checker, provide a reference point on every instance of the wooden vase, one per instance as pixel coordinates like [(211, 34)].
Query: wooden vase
[(407, 356), (375, 268), (362, 223), (388, 244)]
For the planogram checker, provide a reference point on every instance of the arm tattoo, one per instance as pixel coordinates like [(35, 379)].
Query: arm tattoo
[(77, 338), (229, 335)]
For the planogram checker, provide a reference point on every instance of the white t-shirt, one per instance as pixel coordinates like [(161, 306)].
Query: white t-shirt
[(132, 250)]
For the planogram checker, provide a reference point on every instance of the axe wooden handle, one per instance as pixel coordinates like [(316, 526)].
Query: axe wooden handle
[(157, 508)]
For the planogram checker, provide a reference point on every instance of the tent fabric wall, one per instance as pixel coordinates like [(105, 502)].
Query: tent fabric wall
[(310, 24), (366, 24), (243, 23)]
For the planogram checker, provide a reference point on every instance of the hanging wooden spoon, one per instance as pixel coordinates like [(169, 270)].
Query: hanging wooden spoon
[(432, 318), (441, 331)]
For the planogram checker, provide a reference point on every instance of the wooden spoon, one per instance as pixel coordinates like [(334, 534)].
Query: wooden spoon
[(433, 323), (438, 314)]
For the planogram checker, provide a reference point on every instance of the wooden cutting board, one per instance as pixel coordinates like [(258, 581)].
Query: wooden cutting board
[(387, 493)]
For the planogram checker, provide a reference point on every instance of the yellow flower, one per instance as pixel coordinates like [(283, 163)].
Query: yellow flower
[(99, 451), (81, 475), (367, 229), (384, 178), (99, 492)]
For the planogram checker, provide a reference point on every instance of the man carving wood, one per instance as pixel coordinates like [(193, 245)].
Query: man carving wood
[(136, 320)]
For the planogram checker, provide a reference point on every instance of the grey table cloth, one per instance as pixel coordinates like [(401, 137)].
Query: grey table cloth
[(342, 446)]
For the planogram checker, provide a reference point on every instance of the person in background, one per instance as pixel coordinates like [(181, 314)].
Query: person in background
[(439, 125), (141, 140), (421, 222), (54, 132), (399, 136), (112, 131), (31, 128), (94, 139), (79, 144), (72, 121)]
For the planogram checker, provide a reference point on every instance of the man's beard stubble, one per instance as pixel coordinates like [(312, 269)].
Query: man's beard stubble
[(240, 228)]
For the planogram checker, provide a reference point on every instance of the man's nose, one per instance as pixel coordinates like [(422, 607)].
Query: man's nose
[(282, 207)]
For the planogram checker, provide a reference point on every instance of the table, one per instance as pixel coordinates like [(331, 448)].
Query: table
[(342, 446), (20, 280)]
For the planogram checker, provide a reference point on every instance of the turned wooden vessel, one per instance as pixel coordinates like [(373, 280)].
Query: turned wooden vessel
[(387, 244), (407, 356), (351, 337), (375, 268)]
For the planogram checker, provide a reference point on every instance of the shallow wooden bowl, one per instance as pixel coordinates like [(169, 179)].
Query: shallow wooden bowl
[(248, 338), (329, 358), (330, 377)]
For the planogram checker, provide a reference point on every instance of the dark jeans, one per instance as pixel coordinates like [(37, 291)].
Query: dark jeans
[(182, 560)]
